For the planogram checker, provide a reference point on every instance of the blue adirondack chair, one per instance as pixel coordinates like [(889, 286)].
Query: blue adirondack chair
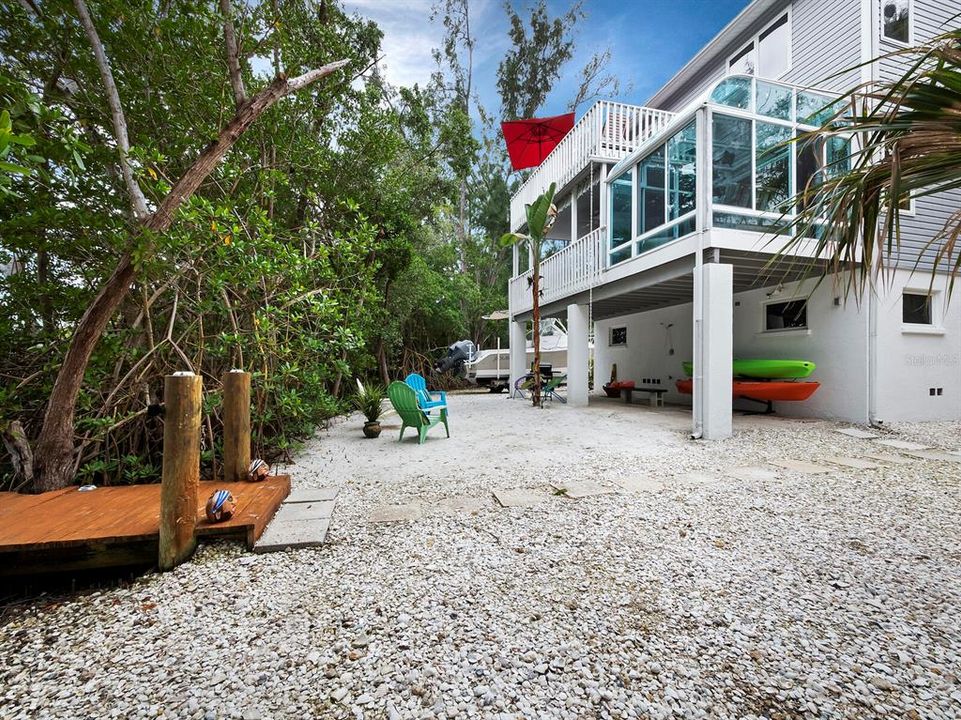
[(418, 384)]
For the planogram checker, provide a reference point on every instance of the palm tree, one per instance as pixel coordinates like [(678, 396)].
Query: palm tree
[(540, 218), (906, 144)]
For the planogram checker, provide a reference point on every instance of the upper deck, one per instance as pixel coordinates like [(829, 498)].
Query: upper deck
[(721, 173), (609, 131)]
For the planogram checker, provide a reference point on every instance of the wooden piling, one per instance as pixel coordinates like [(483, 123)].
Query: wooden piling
[(183, 393), (236, 425)]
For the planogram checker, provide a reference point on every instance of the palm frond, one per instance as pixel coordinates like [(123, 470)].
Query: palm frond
[(906, 143)]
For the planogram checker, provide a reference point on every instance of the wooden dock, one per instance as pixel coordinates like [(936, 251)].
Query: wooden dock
[(68, 530)]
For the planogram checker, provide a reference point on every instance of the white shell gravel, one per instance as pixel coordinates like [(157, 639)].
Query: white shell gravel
[(830, 595)]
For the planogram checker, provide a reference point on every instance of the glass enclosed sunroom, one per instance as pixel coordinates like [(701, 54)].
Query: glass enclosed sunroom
[(731, 156), (692, 215)]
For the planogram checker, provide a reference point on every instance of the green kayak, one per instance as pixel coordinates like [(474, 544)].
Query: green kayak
[(769, 369)]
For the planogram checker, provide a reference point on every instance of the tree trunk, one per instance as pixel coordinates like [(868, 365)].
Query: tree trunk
[(55, 446), (536, 331), (382, 363)]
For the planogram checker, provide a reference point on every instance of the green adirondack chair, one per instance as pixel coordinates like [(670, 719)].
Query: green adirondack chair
[(404, 400)]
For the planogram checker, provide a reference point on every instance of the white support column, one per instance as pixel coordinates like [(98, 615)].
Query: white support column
[(713, 351), (578, 355), (518, 353)]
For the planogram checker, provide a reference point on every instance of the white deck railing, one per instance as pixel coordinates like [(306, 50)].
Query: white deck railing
[(566, 272), (609, 130)]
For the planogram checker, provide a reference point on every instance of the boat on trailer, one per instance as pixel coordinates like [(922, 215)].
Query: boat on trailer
[(492, 368)]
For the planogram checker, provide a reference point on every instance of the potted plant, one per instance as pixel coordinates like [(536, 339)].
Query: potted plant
[(368, 400)]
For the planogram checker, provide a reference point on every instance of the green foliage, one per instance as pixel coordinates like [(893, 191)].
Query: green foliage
[(907, 144), (531, 67), (283, 263)]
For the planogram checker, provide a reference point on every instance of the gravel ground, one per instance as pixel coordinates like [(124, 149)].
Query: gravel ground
[(834, 595)]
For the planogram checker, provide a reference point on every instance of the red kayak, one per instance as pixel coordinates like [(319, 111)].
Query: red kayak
[(765, 391)]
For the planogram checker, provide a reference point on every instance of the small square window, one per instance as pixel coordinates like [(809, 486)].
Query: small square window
[(790, 315), (619, 336), (896, 20), (915, 309)]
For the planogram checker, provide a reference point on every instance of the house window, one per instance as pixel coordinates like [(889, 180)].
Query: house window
[(621, 210), (768, 54), (915, 309), (790, 315), (772, 166), (682, 172), (896, 20), (618, 336), (774, 49), (650, 192), (732, 161)]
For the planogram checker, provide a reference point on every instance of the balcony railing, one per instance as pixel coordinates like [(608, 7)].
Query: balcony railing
[(608, 130), (567, 272)]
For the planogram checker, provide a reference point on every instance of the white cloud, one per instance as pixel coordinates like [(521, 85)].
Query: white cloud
[(410, 36)]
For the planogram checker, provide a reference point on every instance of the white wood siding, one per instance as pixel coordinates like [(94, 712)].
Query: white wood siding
[(825, 39), (931, 213)]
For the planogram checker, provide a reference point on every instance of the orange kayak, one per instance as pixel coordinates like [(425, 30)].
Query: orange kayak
[(762, 390)]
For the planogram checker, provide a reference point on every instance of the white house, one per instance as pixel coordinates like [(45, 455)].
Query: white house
[(659, 245)]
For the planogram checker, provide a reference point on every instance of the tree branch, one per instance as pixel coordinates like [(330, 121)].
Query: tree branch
[(233, 55), (137, 200)]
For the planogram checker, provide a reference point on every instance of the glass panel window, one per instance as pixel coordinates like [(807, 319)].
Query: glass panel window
[(774, 100), (774, 49), (773, 167), (650, 192), (814, 109), (621, 255), (837, 152), (682, 172), (743, 62), (790, 315), (732, 161), (621, 196), (896, 20), (916, 309), (809, 154), (669, 234), (753, 223), (733, 92)]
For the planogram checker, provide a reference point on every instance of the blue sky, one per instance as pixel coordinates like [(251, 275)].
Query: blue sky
[(649, 39)]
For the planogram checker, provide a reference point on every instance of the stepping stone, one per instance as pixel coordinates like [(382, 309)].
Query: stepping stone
[(395, 513), (937, 455), (303, 495), (902, 445), (750, 473), (306, 510), (856, 433), (519, 498), (578, 489), (640, 484), (889, 458), (282, 534), (801, 466), (697, 477), (856, 463), (460, 504)]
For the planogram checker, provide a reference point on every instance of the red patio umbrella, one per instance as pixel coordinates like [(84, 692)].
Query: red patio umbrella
[(530, 141)]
